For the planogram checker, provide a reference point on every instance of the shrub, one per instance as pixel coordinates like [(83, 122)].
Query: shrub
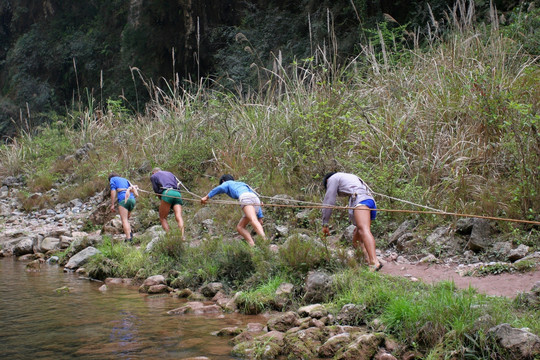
[(235, 262)]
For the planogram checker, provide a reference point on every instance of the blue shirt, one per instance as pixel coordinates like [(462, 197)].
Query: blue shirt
[(232, 188), (118, 182)]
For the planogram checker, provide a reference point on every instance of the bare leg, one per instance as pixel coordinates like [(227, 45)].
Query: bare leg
[(251, 215), (124, 216), (358, 243), (178, 216), (164, 208), (241, 228), (363, 233)]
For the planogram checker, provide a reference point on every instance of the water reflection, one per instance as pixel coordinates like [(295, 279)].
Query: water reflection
[(40, 323)]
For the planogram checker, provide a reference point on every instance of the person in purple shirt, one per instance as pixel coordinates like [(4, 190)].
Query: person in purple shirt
[(125, 193), (363, 210), (165, 185), (251, 205)]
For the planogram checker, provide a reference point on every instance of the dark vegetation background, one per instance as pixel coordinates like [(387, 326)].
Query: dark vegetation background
[(57, 53)]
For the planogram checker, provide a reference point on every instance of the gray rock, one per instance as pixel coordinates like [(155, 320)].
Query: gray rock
[(211, 289), (204, 213), (520, 342), (518, 253), (24, 246), (49, 243), (154, 231), (319, 287), (284, 289), (335, 343), (351, 314), (405, 227), (281, 231), (314, 311), (439, 236), (283, 322), (151, 244), (405, 241), (79, 243), (81, 257), (535, 256), (480, 235), (464, 226), (12, 181), (347, 235), (429, 259), (114, 226), (502, 250), (53, 260)]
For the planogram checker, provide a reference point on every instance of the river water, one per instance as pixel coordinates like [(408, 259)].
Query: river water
[(38, 322)]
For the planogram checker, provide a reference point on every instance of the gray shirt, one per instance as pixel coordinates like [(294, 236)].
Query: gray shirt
[(343, 184)]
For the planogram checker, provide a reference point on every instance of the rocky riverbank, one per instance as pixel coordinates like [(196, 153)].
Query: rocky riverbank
[(470, 246)]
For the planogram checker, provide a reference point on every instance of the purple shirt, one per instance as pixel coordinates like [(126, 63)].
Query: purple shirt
[(163, 180)]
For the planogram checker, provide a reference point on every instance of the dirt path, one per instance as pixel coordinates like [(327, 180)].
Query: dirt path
[(505, 284)]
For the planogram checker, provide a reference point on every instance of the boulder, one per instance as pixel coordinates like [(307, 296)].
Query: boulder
[(351, 314), (347, 235), (211, 289), (102, 214), (364, 347), (204, 213), (229, 331), (319, 287), (49, 243), (303, 344), (81, 257), (316, 311), (114, 226), (405, 241), (158, 289), (464, 226), (80, 243), (335, 343), (283, 322), (24, 246), (281, 231), (501, 250), (405, 227), (518, 253), (519, 342), (439, 236), (480, 235)]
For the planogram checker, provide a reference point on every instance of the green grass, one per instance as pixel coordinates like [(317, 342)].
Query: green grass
[(448, 314)]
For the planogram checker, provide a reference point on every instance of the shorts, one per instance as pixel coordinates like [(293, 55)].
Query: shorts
[(249, 198), (172, 197), (129, 204), (370, 203)]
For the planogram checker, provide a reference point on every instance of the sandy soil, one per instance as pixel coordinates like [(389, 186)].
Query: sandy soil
[(505, 284)]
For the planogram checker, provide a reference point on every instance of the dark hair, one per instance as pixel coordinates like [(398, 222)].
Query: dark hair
[(224, 178), (113, 174), (326, 177)]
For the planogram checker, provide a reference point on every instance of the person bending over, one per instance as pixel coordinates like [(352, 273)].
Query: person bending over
[(125, 193), (344, 184), (251, 205), (166, 187)]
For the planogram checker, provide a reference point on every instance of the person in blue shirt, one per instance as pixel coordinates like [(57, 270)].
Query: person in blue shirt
[(125, 193), (251, 205)]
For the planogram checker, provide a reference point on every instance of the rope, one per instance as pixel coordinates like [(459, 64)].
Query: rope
[(318, 206)]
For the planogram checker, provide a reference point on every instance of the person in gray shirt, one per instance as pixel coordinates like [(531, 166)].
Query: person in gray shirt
[(360, 202)]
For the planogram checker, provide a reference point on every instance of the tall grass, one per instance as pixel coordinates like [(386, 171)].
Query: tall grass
[(458, 117)]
